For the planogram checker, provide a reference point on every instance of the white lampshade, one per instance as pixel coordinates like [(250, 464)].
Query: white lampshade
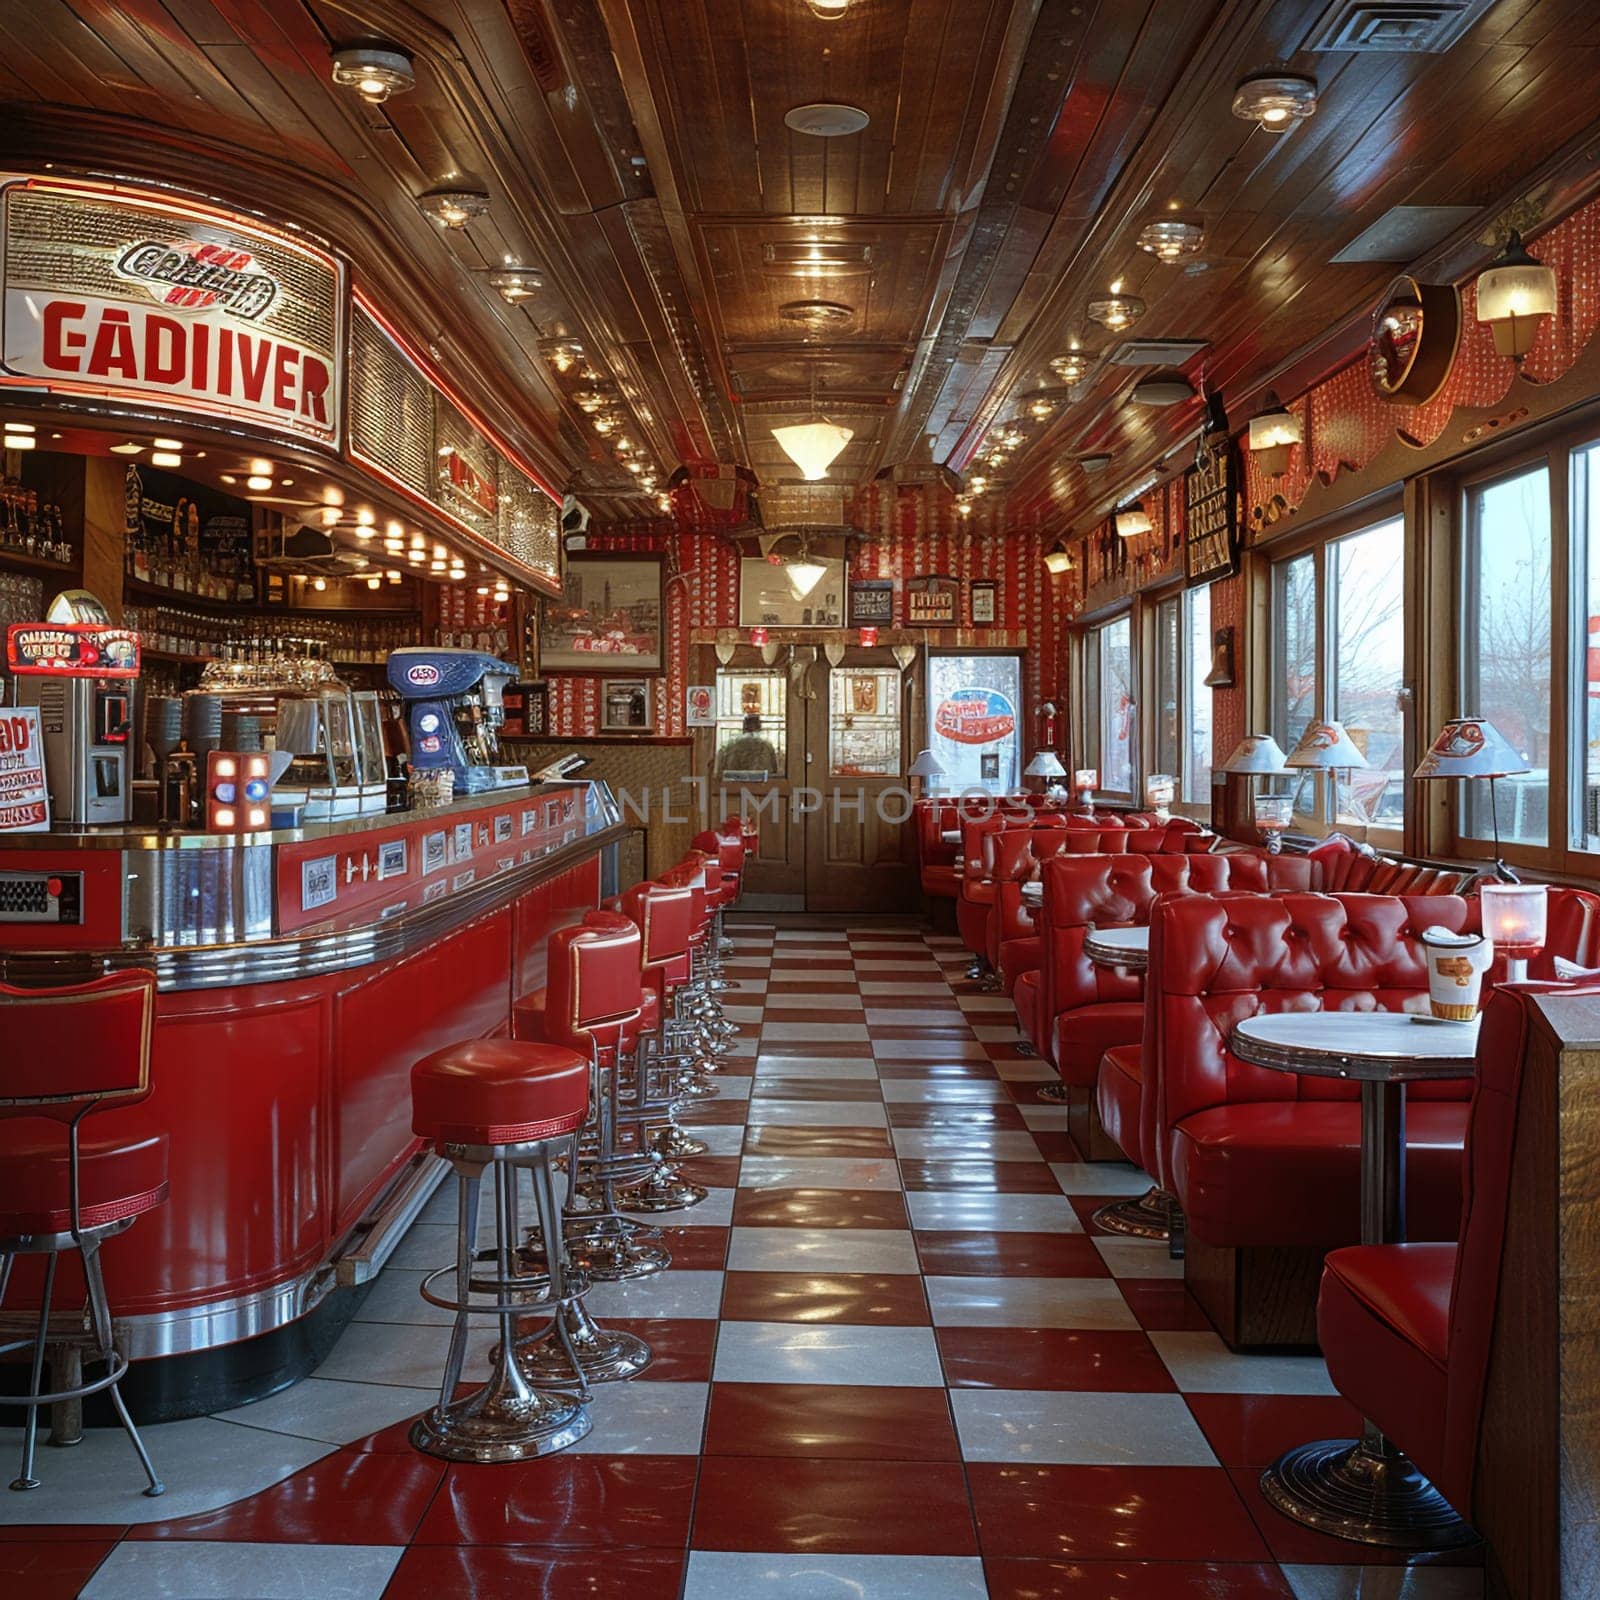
[(1045, 765), (1514, 291), (1325, 744), (1515, 917), (1133, 521), (1470, 747), (1256, 752), (926, 766), (804, 575), (812, 446)]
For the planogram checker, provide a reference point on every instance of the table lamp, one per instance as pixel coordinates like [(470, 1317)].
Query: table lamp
[(926, 767), (1515, 917), (1260, 752), (1272, 814), (1086, 780), (1472, 747), (1160, 790), (1326, 747), (1046, 765)]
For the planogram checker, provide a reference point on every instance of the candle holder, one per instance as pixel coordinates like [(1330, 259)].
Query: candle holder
[(1272, 813), (1160, 790), (1085, 781), (1515, 918)]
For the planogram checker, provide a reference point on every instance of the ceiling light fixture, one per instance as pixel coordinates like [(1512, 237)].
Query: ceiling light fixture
[(828, 10), (1116, 310), (1515, 293), (1058, 560), (20, 441), (1169, 389), (258, 482), (127, 448), (562, 354), (1073, 367), (1274, 431), (1094, 463), (515, 284), (1172, 238), (453, 208), (374, 74), (1276, 102), (813, 446), (826, 120), (165, 458), (804, 575), (1132, 520), (167, 444)]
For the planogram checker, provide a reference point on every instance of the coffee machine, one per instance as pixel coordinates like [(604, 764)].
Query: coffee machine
[(82, 673), (454, 710)]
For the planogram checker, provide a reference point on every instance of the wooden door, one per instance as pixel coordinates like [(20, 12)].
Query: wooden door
[(854, 803)]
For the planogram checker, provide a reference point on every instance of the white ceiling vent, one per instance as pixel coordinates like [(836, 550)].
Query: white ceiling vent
[(1155, 352), (1410, 27)]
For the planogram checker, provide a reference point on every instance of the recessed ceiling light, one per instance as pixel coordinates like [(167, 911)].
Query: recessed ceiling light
[(825, 120), (1275, 101), (1172, 238), (816, 313), (257, 481), (20, 427), (260, 466), (815, 256), (165, 458), (227, 477), (167, 444), (1116, 310), (127, 448), (829, 10), (1072, 367), (374, 74), (1094, 463), (20, 441), (1168, 389), (515, 284), (453, 208)]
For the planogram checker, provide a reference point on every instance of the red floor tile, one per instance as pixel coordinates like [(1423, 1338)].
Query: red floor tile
[(798, 1088), (780, 1139), (996, 1177), (49, 1568), (1163, 1305), (349, 1497), (818, 1420), (893, 1299), (1056, 1145), (715, 1172), (954, 1114), (694, 1249), (819, 1208), (566, 1502), (1052, 1358), (1253, 1430), (1124, 1580), (517, 1572), (970, 1252), (836, 1048), (1111, 1513), (681, 1347), (866, 1507)]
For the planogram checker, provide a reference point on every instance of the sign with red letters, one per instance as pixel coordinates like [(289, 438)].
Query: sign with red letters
[(24, 797)]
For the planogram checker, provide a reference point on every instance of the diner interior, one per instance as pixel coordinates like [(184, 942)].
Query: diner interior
[(800, 800)]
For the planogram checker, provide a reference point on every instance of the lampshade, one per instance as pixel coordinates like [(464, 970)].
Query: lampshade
[(1326, 744), (1470, 747), (1256, 752), (1132, 522), (1058, 561), (1045, 765), (926, 766), (1273, 430), (804, 575), (1514, 291), (812, 446)]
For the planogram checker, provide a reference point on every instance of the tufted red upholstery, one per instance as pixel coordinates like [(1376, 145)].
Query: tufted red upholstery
[(1406, 1329), (498, 1091), (1118, 890)]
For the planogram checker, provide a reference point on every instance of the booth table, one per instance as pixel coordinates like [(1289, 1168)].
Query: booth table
[(1127, 948), (1364, 1489)]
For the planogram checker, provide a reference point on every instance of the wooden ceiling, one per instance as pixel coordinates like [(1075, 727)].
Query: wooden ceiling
[(636, 153)]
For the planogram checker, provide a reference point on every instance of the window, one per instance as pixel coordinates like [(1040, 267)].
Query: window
[(864, 722), (974, 721), (752, 711), (1506, 646), (1183, 702), (1109, 704), (1338, 652), (1584, 805)]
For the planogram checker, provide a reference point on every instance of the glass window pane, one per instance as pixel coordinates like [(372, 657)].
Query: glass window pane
[(1116, 710), (1169, 710), (864, 722), (1366, 573), (752, 711), (1294, 649), (1585, 809), (974, 721), (1197, 697), (1505, 669)]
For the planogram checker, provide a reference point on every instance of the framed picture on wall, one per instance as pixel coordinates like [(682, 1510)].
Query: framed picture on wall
[(769, 599), (982, 602), (699, 706), (931, 601), (626, 706), (610, 617), (871, 603)]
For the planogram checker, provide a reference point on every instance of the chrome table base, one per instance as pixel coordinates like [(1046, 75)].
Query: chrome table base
[(1057, 1093), (1149, 1216), (506, 1420), (1366, 1491)]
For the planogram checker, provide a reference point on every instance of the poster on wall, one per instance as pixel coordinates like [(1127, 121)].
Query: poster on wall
[(1211, 511), (608, 619), (974, 720), (982, 602), (699, 706), (931, 601), (24, 797)]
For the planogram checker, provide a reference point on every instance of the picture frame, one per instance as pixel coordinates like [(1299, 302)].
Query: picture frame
[(627, 706), (864, 697), (699, 706), (610, 619), (982, 602), (931, 602), (766, 600), (871, 603)]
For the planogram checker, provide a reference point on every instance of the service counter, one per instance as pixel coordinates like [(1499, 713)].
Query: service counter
[(300, 974)]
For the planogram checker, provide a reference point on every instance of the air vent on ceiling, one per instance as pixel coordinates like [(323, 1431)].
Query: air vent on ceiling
[(803, 505), (1155, 352), (1403, 233), (1409, 27), (815, 256), (816, 313)]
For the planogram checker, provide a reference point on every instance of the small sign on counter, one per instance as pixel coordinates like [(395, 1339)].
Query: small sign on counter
[(24, 797)]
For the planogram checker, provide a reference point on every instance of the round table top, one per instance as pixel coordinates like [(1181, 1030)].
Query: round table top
[(1375, 1046), (1118, 947)]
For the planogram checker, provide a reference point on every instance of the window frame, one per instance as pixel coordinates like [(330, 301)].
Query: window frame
[(1090, 742), (1181, 597)]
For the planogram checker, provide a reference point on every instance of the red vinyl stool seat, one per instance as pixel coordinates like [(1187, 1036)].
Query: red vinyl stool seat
[(118, 1179), (498, 1092)]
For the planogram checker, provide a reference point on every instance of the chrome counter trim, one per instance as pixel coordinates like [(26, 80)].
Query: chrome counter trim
[(375, 1239)]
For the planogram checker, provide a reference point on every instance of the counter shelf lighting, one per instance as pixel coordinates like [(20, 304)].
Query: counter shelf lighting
[(238, 792), (1515, 919)]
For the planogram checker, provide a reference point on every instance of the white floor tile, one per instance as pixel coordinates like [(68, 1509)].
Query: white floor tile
[(1078, 1429), (945, 1091), (330, 1411), (1385, 1583), (816, 1067), (1045, 1117), (394, 1297), (965, 1144), (799, 1352), (816, 1172), (934, 1049), (645, 1419), (1138, 1258), (988, 1002), (719, 1138), (677, 1292), (1110, 1178), (934, 1210), (1028, 1303), (822, 1250), (205, 1569), (1200, 1363), (818, 1113), (732, 1085), (407, 1355), (814, 1032), (715, 1211), (733, 1575), (779, 1006)]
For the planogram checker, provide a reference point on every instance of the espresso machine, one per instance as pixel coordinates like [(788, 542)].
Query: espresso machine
[(454, 710), (82, 672)]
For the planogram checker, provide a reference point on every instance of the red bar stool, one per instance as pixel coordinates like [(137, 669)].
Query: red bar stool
[(501, 1104), (696, 1006), (705, 869), (69, 1052)]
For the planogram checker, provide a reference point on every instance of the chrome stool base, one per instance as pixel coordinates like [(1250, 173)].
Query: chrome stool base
[(606, 1355), (671, 1141), (1366, 1491), (1056, 1094), (613, 1253), (663, 1190), (503, 1421), (1149, 1216)]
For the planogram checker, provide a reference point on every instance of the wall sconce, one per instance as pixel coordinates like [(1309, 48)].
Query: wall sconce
[(1132, 521), (1274, 432), (1057, 560), (1514, 293)]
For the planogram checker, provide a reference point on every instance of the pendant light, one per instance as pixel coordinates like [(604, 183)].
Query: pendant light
[(1133, 520), (1274, 431), (813, 446), (804, 575), (1515, 294)]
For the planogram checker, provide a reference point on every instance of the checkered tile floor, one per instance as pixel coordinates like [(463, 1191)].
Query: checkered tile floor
[(893, 1361)]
